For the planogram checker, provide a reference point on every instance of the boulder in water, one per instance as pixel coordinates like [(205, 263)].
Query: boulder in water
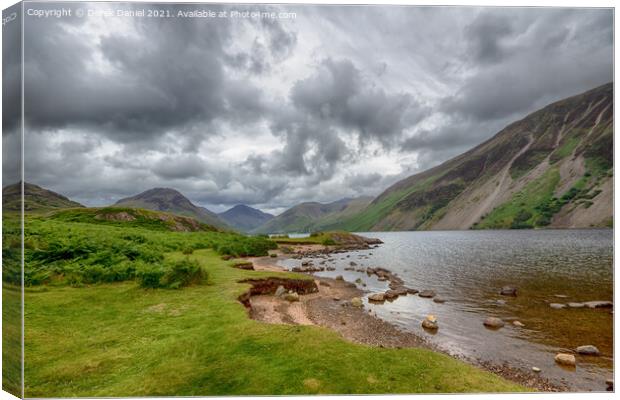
[(565, 359), (508, 291), (427, 294), (493, 322), (430, 322), (588, 350), (378, 297), (557, 306), (599, 304)]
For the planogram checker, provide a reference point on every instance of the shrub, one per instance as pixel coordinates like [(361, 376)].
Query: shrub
[(188, 251), (149, 276), (183, 273), (328, 242)]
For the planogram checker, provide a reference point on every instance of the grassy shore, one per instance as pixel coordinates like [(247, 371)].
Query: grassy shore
[(99, 338)]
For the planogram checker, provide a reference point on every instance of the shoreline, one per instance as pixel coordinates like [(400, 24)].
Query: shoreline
[(331, 307)]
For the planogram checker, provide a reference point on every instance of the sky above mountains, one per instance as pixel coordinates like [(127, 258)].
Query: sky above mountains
[(340, 101)]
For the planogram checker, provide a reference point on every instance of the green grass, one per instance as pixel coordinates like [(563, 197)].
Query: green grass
[(61, 251), (122, 340), (526, 209)]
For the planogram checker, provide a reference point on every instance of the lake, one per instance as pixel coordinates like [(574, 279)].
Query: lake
[(468, 268)]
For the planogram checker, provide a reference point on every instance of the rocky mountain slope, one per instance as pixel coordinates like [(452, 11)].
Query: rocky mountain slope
[(553, 168), (35, 198), (171, 201), (244, 218), (313, 216)]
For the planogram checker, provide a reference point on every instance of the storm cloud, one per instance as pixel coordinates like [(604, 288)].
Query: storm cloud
[(336, 102)]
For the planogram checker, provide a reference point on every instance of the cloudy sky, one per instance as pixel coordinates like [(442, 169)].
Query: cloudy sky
[(336, 102)]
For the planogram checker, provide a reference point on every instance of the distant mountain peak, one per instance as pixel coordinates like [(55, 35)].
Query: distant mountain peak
[(244, 217), (35, 198), (172, 201)]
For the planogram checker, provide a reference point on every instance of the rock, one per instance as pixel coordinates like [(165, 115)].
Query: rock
[(291, 296), (565, 359), (382, 278), (588, 350), (427, 294), (306, 263), (339, 278), (377, 297), (353, 264), (500, 302), (412, 291), (439, 300), (358, 280), (331, 268), (560, 296), (493, 322), (280, 291), (557, 306), (325, 283), (535, 369), (430, 322), (336, 298), (391, 294), (273, 255), (400, 291), (508, 291), (349, 269), (357, 302), (518, 324), (576, 305), (598, 304), (610, 384)]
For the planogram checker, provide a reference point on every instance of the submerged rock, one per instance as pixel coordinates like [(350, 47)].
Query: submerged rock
[(557, 306), (610, 384), (576, 305), (427, 294), (508, 291), (439, 300), (430, 322), (412, 291), (518, 324), (493, 322), (357, 302), (588, 350), (565, 359), (339, 278), (535, 369)]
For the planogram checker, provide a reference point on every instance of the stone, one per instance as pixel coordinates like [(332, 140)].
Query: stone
[(358, 280), (291, 296), (390, 294), (575, 305), (565, 359), (353, 264), (382, 278), (357, 302), (339, 278), (610, 384), (598, 304), (280, 291), (306, 263), (588, 350), (377, 297), (560, 296), (325, 283), (500, 302), (412, 291), (430, 322), (427, 294), (557, 306), (493, 322), (439, 300), (508, 291), (273, 255), (518, 324), (535, 369)]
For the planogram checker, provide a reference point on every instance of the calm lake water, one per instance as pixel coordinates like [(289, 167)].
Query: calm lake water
[(467, 269)]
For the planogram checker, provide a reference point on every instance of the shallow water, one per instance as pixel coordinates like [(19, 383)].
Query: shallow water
[(467, 269)]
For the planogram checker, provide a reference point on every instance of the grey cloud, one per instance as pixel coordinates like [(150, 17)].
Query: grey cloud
[(485, 35)]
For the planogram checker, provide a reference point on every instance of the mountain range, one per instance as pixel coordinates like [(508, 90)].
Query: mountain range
[(553, 168)]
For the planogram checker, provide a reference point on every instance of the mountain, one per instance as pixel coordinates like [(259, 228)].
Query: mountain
[(171, 201), (553, 168), (313, 216), (244, 218), (35, 198)]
